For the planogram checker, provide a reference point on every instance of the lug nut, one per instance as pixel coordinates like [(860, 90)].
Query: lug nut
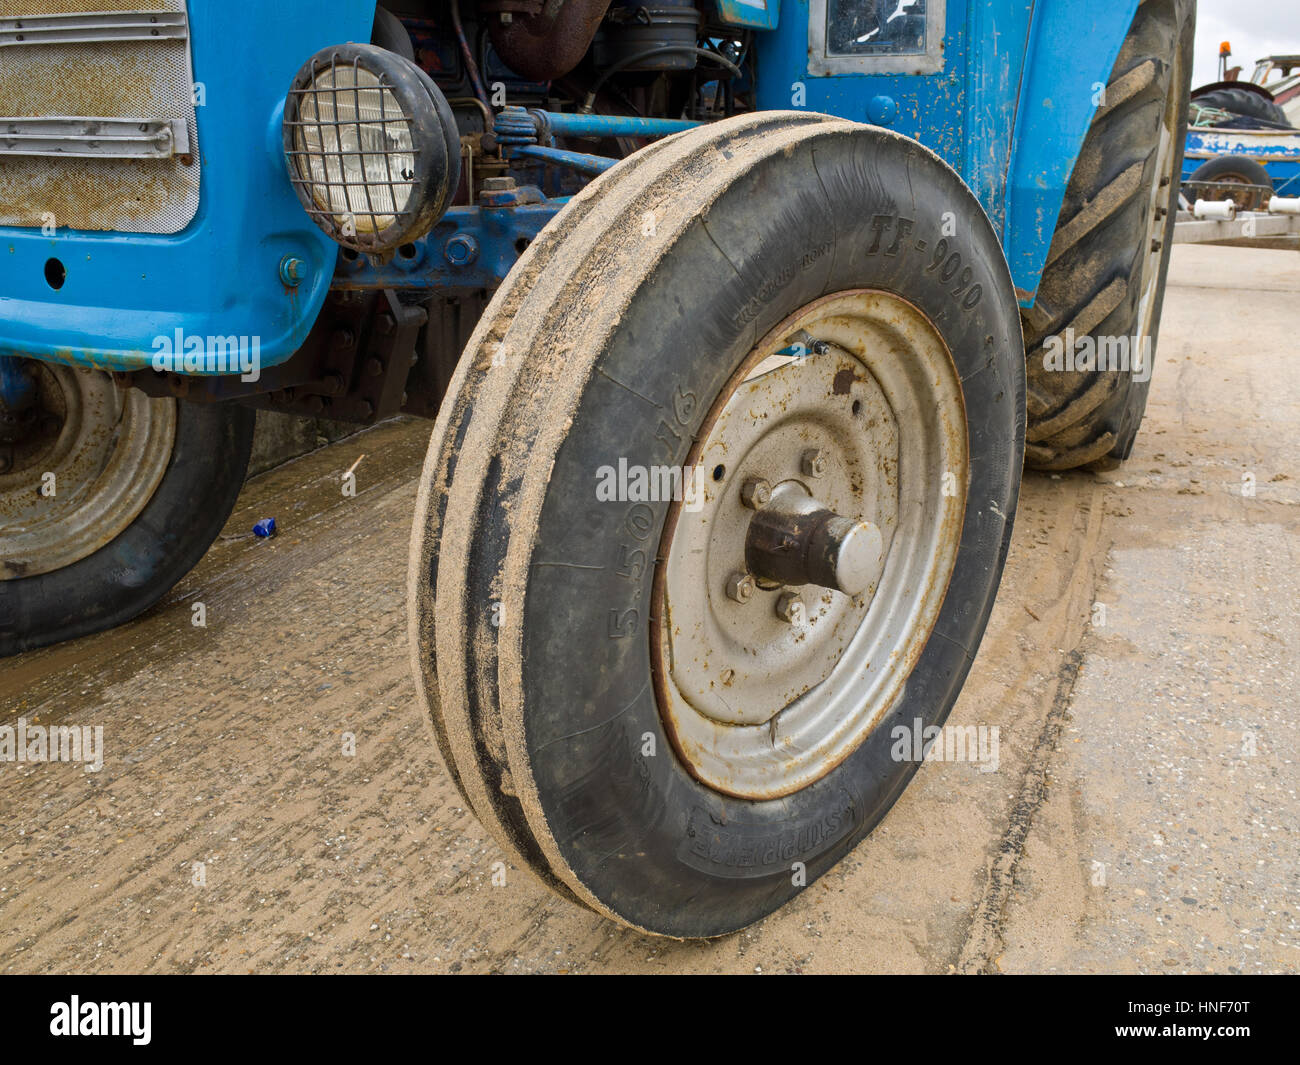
[(813, 462), (790, 608), (740, 587), (756, 493)]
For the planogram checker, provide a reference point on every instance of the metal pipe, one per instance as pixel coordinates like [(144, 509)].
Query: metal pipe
[(584, 164), (549, 45), (584, 125), (488, 117), (471, 67)]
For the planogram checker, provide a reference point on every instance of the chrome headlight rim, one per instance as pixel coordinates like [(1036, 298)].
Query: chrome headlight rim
[(433, 141)]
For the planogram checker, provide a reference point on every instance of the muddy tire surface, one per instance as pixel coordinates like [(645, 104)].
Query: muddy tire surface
[(530, 599)]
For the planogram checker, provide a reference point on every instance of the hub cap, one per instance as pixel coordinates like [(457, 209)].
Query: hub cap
[(107, 451), (795, 596)]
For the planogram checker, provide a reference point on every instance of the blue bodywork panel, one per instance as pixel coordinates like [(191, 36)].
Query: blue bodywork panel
[(1073, 45), (1003, 90), (1008, 110), (220, 276)]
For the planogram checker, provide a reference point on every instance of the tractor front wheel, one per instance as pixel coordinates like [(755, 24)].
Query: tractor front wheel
[(718, 501)]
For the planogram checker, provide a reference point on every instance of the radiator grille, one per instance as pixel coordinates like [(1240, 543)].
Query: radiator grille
[(145, 80)]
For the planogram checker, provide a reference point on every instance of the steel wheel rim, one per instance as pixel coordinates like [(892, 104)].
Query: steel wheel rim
[(895, 430), (108, 450)]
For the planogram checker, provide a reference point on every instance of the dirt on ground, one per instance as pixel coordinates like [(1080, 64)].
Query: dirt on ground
[(270, 801)]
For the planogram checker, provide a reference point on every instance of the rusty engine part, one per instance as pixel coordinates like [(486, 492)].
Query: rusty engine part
[(369, 357), (545, 44)]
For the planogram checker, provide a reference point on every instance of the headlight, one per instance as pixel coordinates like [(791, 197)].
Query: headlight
[(372, 146)]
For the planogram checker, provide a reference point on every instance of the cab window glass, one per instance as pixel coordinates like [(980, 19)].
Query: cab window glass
[(875, 27)]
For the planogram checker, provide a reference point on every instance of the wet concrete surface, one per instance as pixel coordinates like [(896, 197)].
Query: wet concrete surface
[(1143, 816)]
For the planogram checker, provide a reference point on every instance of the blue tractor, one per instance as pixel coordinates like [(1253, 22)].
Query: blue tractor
[(737, 321)]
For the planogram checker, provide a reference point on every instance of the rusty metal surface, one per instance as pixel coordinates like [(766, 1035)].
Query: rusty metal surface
[(757, 706), (92, 464), (107, 80), (547, 46)]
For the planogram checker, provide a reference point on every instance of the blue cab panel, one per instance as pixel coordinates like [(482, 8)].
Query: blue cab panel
[(1000, 89)]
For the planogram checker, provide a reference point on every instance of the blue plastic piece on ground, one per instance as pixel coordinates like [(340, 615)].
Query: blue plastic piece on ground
[(265, 528)]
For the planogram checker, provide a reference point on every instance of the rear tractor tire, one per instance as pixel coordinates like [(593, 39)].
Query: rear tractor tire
[(678, 703), (1104, 281)]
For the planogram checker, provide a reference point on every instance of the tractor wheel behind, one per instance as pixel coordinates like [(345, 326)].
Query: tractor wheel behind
[(107, 499), (1245, 103), (1233, 177), (1103, 287)]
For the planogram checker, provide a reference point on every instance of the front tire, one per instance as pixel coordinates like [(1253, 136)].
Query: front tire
[(537, 607), (137, 489)]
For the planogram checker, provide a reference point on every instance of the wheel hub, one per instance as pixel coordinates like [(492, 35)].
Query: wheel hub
[(792, 596), (797, 541), (77, 466)]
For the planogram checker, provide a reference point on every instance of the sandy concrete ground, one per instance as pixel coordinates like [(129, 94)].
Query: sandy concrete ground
[(1143, 816)]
